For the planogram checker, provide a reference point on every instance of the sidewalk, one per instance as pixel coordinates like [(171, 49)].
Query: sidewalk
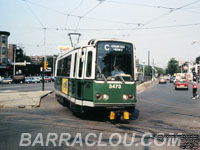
[(141, 87), (22, 99), (32, 99)]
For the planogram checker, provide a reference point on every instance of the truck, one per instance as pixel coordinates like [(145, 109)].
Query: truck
[(18, 79)]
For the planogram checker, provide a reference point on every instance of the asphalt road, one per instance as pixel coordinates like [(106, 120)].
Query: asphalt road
[(160, 109), (25, 87)]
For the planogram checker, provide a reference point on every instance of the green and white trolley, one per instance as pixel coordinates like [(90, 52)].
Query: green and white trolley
[(85, 77)]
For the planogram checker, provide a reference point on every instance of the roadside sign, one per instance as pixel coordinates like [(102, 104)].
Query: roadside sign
[(63, 49), (49, 69), (41, 69)]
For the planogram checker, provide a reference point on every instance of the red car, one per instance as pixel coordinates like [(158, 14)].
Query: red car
[(182, 84), (47, 79)]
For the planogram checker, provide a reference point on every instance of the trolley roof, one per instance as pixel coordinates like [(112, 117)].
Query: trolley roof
[(92, 43)]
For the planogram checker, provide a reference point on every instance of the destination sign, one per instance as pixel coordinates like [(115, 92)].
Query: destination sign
[(114, 47)]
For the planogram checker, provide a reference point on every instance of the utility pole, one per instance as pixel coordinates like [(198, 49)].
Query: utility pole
[(149, 62), (45, 66), (14, 49), (53, 66), (153, 71), (143, 68)]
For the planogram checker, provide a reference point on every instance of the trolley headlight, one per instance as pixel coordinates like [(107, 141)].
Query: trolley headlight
[(125, 97), (105, 97), (131, 97), (98, 96)]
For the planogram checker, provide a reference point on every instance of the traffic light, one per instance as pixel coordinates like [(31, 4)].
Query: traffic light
[(45, 65)]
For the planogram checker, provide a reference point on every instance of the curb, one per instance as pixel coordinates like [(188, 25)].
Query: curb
[(28, 101), (145, 85), (39, 103)]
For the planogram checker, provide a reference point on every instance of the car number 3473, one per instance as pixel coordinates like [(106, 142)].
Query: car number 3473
[(115, 86)]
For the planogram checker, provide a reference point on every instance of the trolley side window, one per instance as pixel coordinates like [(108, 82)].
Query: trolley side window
[(59, 67), (80, 67), (75, 64), (66, 66), (89, 65)]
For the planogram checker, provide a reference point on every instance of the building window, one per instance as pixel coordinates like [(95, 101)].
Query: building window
[(3, 50), (3, 39), (3, 60)]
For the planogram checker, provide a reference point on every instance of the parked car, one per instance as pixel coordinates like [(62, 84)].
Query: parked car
[(52, 79), (181, 84), (28, 79), (36, 80), (19, 79), (7, 80), (47, 79), (162, 80), (1, 79)]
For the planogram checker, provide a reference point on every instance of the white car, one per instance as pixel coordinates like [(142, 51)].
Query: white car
[(7, 80), (35, 80), (28, 79)]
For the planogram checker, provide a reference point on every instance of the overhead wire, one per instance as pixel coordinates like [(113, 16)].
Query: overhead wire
[(139, 4), (140, 25), (42, 25), (124, 29), (165, 14), (34, 14), (67, 17), (171, 10), (76, 16), (86, 13)]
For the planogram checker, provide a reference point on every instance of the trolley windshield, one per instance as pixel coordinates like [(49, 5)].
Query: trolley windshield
[(114, 61)]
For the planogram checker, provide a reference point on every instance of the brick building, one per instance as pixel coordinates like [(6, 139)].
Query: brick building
[(4, 67)]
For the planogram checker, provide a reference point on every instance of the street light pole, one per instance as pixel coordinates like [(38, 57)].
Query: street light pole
[(143, 68), (53, 65), (153, 71), (14, 60)]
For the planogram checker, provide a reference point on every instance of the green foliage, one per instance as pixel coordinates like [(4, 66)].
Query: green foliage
[(172, 67), (148, 70), (21, 56), (50, 61), (160, 71), (198, 60)]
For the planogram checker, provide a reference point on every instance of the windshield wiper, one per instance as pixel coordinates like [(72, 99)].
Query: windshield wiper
[(99, 69), (121, 78)]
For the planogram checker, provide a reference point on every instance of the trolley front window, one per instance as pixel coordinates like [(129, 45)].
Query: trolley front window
[(114, 61)]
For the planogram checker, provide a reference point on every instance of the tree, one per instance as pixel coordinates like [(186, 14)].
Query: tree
[(198, 60), (160, 71), (173, 66), (50, 60), (21, 56)]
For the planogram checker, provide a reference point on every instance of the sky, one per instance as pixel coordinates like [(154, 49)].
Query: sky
[(166, 28)]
